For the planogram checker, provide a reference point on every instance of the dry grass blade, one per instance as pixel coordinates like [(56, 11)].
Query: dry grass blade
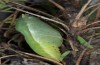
[(71, 42), (92, 6), (79, 15), (93, 23), (82, 10), (97, 8), (92, 28), (7, 56)]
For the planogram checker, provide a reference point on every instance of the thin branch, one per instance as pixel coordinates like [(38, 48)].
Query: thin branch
[(65, 12), (78, 17), (93, 11), (93, 23), (33, 55), (84, 51), (71, 43), (97, 15), (6, 34), (57, 5), (82, 10), (80, 57), (93, 28), (42, 17), (35, 10), (92, 6), (29, 8), (7, 56)]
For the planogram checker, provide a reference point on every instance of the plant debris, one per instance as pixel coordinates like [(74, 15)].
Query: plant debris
[(71, 18)]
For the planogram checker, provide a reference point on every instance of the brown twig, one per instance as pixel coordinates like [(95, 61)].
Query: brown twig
[(65, 12), (84, 51), (2, 23), (57, 5), (97, 15), (93, 23), (76, 3), (29, 8), (71, 42), (86, 17), (7, 56), (6, 34), (92, 6), (82, 10), (80, 57), (43, 17), (82, 22), (33, 55), (5, 62), (78, 17), (35, 10), (97, 8), (93, 28)]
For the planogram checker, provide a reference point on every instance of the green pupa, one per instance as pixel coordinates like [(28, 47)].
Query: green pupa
[(41, 37)]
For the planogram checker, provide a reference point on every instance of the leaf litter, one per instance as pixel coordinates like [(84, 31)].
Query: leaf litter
[(72, 19)]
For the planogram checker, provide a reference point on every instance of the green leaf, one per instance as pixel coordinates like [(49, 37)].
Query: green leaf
[(64, 55), (84, 42), (41, 37)]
